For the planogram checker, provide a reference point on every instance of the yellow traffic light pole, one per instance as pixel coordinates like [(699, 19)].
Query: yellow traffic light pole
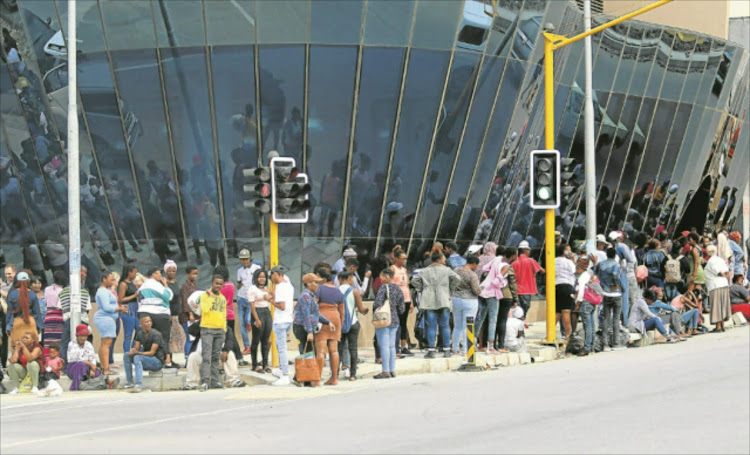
[(274, 235), (552, 42)]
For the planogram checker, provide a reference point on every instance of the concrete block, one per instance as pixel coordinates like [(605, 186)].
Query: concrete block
[(546, 353), (513, 359), (729, 323), (739, 319), (524, 358), (502, 360)]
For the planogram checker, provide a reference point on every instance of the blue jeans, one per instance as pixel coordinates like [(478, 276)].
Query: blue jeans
[(611, 314), (141, 363), (130, 325), (387, 342), (670, 291), (586, 312), (280, 331), (524, 300), (690, 319), (437, 318), (245, 313), (462, 308), (625, 296), (655, 323), (188, 343), (491, 308)]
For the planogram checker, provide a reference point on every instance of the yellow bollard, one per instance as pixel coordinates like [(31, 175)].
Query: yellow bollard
[(471, 347)]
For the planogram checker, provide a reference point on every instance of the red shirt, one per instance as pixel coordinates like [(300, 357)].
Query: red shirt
[(526, 270), (228, 292)]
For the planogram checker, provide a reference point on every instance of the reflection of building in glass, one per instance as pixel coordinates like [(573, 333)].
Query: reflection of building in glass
[(414, 120)]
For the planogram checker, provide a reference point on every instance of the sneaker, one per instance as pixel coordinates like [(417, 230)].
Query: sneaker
[(217, 386), (277, 372), (128, 385), (607, 349), (393, 375), (14, 391), (188, 387), (238, 384), (430, 355), (35, 390), (447, 353), (136, 389), (282, 381), (204, 388), (406, 351), (346, 373), (243, 363), (619, 348)]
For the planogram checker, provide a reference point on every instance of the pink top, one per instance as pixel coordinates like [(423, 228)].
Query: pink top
[(228, 292), (526, 270), (55, 364), (401, 278), (677, 302), (254, 294), (51, 295), (492, 286)]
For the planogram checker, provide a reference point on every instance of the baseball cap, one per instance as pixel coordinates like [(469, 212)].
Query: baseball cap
[(350, 253), (474, 249), (22, 276), (245, 254), (615, 235), (82, 329), (524, 245), (278, 269), (600, 238), (312, 278)]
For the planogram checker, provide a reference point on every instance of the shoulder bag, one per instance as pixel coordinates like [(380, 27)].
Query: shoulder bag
[(382, 316), (306, 368)]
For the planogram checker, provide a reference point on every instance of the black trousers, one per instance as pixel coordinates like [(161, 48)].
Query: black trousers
[(349, 341), (261, 336), (502, 318)]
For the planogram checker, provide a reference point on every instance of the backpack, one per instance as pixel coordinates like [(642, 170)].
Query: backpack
[(672, 272), (348, 316)]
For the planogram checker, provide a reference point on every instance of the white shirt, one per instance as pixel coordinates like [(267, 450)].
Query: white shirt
[(245, 276), (713, 270), (565, 271), (512, 327), (583, 280), (284, 293)]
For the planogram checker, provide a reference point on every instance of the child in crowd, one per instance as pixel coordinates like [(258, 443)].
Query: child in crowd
[(55, 363)]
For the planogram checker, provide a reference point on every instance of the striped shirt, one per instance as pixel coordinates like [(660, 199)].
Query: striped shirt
[(64, 300)]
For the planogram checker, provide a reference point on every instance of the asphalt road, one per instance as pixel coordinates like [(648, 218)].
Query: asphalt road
[(692, 397)]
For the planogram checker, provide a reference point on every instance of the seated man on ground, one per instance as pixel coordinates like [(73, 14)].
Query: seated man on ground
[(195, 360), (147, 353), (27, 359), (81, 358), (690, 312), (739, 297), (667, 313), (641, 319), (515, 341)]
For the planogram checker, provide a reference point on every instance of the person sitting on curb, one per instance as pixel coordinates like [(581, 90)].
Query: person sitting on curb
[(515, 341), (27, 359), (668, 314), (641, 319), (688, 305), (195, 360), (147, 354), (81, 358)]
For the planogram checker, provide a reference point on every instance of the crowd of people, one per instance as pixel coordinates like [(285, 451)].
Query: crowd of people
[(674, 287)]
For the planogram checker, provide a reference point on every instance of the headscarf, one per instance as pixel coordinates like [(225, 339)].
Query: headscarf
[(170, 263), (722, 246), (736, 237), (488, 254)]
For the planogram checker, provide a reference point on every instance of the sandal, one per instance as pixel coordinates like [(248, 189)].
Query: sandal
[(352, 378), (108, 373), (267, 370), (258, 369)]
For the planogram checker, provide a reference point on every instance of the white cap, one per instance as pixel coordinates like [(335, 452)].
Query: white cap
[(600, 238), (615, 235), (524, 245), (517, 312), (350, 253), (473, 249)]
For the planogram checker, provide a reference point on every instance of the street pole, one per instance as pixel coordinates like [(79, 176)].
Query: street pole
[(74, 213), (589, 146), (552, 42), (274, 234)]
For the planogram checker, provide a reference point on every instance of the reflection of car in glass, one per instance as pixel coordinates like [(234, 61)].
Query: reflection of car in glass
[(56, 46), (523, 44), (474, 26), (721, 74), (101, 104)]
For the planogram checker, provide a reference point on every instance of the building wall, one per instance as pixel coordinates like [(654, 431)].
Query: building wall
[(704, 16)]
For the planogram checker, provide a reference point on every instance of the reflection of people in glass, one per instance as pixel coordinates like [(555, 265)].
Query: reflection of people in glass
[(210, 228), (245, 124), (291, 137), (331, 196), (273, 102)]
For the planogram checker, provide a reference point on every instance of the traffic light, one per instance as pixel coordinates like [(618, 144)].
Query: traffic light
[(258, 189), (290, 191), (569, 183), (545, 179)]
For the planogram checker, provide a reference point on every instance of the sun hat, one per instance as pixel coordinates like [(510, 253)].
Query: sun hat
[(82, 329)]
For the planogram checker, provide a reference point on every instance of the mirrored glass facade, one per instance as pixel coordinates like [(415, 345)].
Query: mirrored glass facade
[(414, 120)]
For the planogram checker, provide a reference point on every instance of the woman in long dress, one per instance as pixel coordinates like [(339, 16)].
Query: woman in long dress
[(717, 284)]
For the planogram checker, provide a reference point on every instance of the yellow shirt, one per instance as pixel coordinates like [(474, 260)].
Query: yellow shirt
[(213, 311)]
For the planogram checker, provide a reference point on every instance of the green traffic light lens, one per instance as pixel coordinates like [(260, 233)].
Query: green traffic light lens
[(544, 192)]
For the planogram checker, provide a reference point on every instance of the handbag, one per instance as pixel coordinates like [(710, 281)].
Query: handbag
[(106, 256), (306, 367), (381, 317)]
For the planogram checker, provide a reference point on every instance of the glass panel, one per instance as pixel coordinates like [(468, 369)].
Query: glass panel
[(696, 70), (331, 98), (711, 75), (379, 89), (318, 250), (186, 84), (474, 28), (334, 21), (102, 108), (725, 76), (230, 22), (282, 80), (233, 71), (137, 78), (495, 144), (290, 256), (436, 24), (88, 27), (388, 23), (526, 35), (488, 85), (645, 61), (504, 24), (679, 63), (659, 67), (629, 57), (419, 107), (283, 21), (129, 25), (612, 42), (458, 95), (13, 203), (40, 19), (179, 23)]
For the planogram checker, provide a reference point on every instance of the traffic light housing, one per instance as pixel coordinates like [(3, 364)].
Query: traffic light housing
[(258, 189), (290, 192), (545, 179)]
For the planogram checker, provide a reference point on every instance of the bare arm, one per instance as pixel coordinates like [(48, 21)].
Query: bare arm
[(358, 302)]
